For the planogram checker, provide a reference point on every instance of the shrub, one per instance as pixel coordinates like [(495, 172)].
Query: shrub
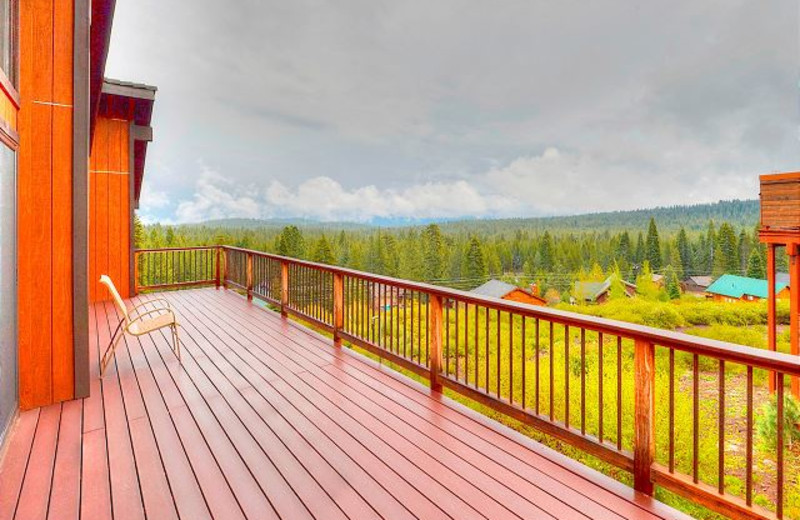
[(767, 422)]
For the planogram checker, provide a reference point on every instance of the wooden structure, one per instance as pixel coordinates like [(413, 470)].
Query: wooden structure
[(507, 291), (267, 420), (733, 288), (780, 228), (116, 169), (494, 352), (51, 105)]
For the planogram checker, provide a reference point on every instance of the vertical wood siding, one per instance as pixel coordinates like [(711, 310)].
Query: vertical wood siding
[(109, 208), (46, 364)]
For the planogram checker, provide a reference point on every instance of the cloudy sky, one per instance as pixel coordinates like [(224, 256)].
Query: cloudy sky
[(376, 109)]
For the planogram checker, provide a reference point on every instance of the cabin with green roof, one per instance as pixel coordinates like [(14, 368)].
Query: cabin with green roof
[(731, 288)]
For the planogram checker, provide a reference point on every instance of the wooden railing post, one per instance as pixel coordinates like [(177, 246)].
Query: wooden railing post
[(136, 260), (219, 261), (338, 308), (224, 268), (435, 338), (249, 276), (644, 359), (284, 287)]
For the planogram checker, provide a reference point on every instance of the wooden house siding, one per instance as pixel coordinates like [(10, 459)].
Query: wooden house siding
[(110, 209), (780, 201), (44, 202), (518, 295)]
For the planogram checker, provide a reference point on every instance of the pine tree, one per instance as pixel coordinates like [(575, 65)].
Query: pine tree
[(726, 254), (291, 242), (671, 283), (547, 252), (139, 234), (475, 267), (639, 255), (755, 268), (433, 253), (684, 250), (653, 246), (322, 251)]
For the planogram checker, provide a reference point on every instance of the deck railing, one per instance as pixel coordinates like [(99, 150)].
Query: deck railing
[(618, 391)]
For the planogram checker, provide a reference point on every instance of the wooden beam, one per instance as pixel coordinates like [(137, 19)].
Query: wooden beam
[(435, 338), (338, 308), (644, 446), (771, 310)]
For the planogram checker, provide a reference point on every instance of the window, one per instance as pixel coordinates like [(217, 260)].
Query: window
[(8, 287), (8, 36)]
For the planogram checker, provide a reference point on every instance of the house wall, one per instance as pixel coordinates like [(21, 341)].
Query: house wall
[(110, 208), (45, 202), (521, 296)]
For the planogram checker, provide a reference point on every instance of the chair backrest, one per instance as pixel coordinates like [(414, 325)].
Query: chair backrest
[(105, 280)]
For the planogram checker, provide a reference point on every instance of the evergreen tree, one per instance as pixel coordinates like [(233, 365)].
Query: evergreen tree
[(547, 252), (755, 268), (291, 242), (653, 246), (671, 283), (433, 253), (475, 267), (139, 233), (639, 255), (323, 253), (616, 289), (684, 250), (726, 254)]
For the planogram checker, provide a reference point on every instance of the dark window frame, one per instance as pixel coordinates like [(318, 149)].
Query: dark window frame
[(9, 79)]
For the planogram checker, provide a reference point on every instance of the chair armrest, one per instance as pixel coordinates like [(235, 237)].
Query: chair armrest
[(150, 302), (141, 317)]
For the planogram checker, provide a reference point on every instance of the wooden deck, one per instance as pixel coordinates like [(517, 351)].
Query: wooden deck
[(265, 419)]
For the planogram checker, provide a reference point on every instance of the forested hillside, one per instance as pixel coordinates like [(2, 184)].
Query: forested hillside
[(553, 252)]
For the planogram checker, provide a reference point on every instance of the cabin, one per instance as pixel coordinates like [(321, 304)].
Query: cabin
[(598, 292), (507, 291), (696, 285), (283, 400), (733, 288)]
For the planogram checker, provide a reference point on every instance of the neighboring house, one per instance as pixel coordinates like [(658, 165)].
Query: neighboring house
[(598, 292), (732, 288), (658, 279), (507, 291), (696, 285)]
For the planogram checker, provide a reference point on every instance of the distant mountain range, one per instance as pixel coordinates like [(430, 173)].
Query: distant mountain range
[(740, 213)]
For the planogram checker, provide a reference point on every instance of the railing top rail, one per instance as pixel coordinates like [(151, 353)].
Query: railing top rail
[(187, 248), (732, 352)]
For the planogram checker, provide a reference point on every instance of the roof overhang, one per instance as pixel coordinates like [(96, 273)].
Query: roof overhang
[(102, 18), (131, 102)]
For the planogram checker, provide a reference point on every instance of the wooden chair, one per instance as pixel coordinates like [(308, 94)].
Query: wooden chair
[(142, 319)]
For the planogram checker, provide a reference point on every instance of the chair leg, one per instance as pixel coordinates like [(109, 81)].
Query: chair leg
[(118, 333), (176, 342)]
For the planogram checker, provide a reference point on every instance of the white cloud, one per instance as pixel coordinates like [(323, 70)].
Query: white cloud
[(152, 198), (216, 197)]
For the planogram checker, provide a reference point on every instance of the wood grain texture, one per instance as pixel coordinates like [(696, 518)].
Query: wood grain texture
[(44, 201), (109, 208)]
